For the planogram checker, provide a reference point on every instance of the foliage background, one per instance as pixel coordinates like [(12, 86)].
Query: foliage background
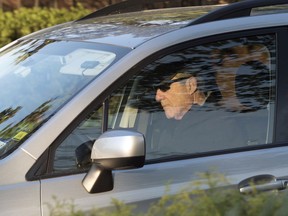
[(90, 4), (17, 23)]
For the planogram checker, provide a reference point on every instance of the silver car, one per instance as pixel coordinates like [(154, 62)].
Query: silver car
[(86, 111)]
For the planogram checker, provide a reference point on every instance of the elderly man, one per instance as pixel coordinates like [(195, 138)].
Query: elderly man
[(178, 95), (194, 120)]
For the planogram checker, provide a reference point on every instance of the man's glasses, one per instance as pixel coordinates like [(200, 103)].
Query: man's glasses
[(165, 85)]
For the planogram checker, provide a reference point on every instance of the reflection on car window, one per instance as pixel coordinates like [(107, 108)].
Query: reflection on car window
[(40, 76), (206, 98)]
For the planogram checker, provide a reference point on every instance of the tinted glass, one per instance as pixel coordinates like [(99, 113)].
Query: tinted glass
[(74, 152), (226, 101)]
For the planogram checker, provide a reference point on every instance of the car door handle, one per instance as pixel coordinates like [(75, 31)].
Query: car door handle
[(261, 183), (278, 185)]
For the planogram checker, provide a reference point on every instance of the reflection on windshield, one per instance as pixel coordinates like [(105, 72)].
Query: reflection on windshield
[(37, 78)]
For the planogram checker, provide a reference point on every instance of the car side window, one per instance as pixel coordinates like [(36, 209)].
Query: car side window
[(208, 98), (205, 98)]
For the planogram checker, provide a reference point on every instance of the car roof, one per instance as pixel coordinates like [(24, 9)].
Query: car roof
[(129, 29), (113, 26)]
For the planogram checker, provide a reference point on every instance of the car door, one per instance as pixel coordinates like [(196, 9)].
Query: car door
[(235, 131)]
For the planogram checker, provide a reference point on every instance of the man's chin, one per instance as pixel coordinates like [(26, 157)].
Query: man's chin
[(169, 116), (178, 117)]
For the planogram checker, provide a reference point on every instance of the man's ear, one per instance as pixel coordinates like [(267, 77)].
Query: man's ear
[(191, 85)]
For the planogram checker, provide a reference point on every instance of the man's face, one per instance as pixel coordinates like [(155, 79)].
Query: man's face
[(176, 101)]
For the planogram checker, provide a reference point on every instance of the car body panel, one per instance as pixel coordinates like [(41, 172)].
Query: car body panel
[(26, 196), (14, 187), (161, 178), (15, 174)]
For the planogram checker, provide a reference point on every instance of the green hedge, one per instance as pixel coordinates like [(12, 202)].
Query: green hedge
[(23, 21)]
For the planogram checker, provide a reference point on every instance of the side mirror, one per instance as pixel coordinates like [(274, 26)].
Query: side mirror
[(83, 155), (113, 150)]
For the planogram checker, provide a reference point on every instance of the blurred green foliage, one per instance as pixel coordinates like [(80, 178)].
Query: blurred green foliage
[(23, 21)]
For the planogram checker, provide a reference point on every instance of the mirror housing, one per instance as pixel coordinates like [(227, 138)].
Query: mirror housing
[(113, 150)]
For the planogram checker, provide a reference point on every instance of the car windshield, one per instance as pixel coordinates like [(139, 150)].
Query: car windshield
[(38, 77)]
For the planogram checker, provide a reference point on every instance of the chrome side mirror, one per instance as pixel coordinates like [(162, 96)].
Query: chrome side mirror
[(113, 150)]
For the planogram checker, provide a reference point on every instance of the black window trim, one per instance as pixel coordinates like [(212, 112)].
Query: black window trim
[(281, 135)]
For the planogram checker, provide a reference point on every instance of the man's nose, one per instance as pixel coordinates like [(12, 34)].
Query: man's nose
[(159, 95)]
